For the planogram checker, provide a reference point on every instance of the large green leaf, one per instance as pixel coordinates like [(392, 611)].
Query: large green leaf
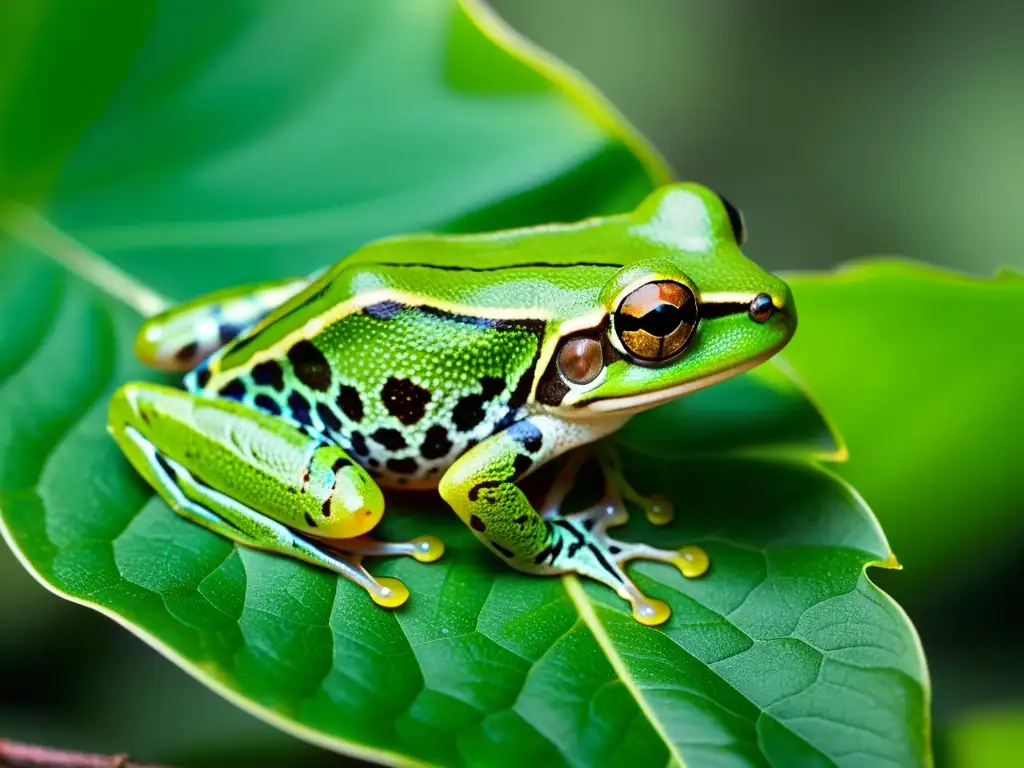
[(768, 660), (921, 370), (272, 139)]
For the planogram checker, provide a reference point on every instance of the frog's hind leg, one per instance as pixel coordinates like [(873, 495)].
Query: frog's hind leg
[(183, 336), (251, 478), (226, 516)]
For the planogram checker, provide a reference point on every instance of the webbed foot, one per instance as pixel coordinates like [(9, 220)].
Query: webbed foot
[(580, 542)]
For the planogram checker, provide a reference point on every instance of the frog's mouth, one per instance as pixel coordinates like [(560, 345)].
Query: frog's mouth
[(631, 404)]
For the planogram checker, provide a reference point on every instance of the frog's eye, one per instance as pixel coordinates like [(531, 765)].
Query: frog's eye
[(655, 321), (580, 360), (739, 227)]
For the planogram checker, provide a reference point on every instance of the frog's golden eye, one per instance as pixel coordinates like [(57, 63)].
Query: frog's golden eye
[(655, 321), (739, 227)]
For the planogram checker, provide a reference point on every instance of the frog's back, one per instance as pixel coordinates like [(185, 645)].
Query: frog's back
[(408, 389), (388, 366)]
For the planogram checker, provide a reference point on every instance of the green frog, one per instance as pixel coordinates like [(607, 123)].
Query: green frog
[(460, 363)]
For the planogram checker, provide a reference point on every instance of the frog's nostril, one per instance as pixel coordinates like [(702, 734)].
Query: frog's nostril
[(761, 308)]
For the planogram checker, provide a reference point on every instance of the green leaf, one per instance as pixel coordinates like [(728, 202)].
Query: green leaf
[(766, 660), (986, 739), (767, 412), (373, 119), (895, 352)]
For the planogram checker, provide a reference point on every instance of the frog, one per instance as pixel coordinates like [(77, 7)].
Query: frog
[(455, 364)]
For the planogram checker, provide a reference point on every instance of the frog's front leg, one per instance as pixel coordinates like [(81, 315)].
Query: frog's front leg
[(258, 481), (482, 488)]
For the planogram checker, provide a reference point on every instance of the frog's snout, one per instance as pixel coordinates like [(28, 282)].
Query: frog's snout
[(761, 308), (764, 306)]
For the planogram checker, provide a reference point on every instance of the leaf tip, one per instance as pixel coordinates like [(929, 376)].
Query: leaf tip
[(890, 563), (572, 83)]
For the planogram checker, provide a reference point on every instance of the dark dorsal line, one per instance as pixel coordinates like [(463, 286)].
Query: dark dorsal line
[(243, 343), (523, 265), (387, 310), (722, 309)]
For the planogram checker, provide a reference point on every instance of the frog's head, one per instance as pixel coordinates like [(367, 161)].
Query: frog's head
[(688, 310)]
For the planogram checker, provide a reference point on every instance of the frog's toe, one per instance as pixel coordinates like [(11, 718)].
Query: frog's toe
[(648, 611), (427, 549), (691, 561), (388, 592), (581, 544), (423, 549), (658, 509)]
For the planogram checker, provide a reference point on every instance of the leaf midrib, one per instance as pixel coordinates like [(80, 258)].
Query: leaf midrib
[(30, 227), (588, 616)]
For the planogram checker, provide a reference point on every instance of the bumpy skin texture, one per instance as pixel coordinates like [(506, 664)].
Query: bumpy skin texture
[(433, 362), (405, 390)]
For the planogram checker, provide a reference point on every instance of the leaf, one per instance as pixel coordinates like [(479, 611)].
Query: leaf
[(986, 739), (785, 654), (895, 352), (376, 119), (766, 412), (767, 658)]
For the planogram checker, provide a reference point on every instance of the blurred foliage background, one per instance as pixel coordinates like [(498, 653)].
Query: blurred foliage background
[(842, 130)]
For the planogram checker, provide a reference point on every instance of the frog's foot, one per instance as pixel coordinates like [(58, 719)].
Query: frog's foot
[(424, 549), (218, 512), (580, 544), (657, 508)]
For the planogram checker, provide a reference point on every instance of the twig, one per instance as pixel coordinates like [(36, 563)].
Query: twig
[(16, 755)]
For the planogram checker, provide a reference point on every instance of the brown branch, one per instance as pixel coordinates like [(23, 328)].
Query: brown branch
[(16, 755)]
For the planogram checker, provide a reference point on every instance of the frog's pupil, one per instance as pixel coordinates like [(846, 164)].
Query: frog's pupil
[(661, 320)]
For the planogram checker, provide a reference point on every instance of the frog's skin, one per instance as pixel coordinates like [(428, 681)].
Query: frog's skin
[(461, 363)]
